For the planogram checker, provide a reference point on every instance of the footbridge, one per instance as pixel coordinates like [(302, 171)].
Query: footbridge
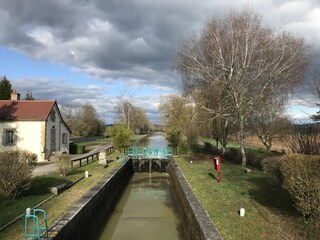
[(148, 159)]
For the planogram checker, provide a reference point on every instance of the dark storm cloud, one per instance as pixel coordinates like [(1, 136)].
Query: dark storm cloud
[(132, 41), (125, 38)]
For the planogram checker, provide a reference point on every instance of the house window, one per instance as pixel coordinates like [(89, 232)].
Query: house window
[(8, 137), (53, 116), (64, 138)]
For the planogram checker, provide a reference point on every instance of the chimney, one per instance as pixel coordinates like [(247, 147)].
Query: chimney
[(15, 96)]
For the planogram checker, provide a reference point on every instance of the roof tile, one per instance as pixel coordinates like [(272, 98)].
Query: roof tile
[(25, 109)]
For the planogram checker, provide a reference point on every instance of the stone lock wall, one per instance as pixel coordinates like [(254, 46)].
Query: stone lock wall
[(195, 220), (83, 220)]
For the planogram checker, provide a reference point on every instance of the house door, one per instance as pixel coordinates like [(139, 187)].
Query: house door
[(53, 140)]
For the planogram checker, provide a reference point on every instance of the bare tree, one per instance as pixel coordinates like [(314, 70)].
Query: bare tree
[(83, 120), (214, 114), (135, 117), (246, 60), (316, 91), (305, 139), (268, 122)]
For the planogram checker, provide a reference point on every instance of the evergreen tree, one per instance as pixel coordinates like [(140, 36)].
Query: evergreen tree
[(5, 89)]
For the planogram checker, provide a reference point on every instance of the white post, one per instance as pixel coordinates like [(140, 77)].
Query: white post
[(242, 212), (28, 211)]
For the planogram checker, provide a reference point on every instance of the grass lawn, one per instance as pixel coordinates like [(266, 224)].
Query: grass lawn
[(269, 212), (99, 141), (57, 205)]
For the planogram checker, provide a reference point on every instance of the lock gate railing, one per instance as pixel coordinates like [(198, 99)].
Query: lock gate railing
[(150, 152)]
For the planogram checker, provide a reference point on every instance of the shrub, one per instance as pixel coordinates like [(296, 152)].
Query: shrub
[(122, 136), (15, 172), (233, 155), (208, 148), (301, 173), (183, 148), (76, 148), (64, 164), (305, 139), (272, 167)]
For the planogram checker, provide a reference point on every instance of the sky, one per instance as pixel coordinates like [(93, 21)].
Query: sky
[(93, 51)]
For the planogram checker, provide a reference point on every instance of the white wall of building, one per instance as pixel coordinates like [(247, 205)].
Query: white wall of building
[(28, 136)]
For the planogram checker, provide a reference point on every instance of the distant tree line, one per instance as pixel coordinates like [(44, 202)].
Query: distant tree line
[(83, 120)]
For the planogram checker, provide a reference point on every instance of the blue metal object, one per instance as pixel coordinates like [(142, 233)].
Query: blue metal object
[(150, 152), (122, 157), (36, 231)]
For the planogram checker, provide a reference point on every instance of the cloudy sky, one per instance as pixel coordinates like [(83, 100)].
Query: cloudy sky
[(79, 51)]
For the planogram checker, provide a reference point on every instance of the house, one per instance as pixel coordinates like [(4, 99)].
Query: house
[(33, 125)]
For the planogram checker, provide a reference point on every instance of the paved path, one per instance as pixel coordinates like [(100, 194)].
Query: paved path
[(52, 166)]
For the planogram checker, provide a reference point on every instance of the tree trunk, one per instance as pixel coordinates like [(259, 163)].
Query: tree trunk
[(217, 144), (242, 140)]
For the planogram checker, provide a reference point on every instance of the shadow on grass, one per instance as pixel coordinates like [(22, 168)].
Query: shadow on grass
[(275, 198), (42, 184), (75, 171), (213, 176)]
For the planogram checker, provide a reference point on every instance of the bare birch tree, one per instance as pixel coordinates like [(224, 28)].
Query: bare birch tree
[(134, 117), (246, 60)]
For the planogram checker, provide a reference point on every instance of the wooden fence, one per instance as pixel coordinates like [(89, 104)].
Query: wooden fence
[(90, 158)]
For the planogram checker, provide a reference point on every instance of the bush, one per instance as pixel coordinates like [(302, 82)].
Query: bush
[(15, 172), (122, 136), (301, 173), (183, 148), (272, 167), (305, 139), (233, 155), (208, 148), (254, 156), (76, 148), (64, 164)]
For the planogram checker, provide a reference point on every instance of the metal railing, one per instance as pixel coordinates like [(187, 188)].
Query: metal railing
[(150, 152)]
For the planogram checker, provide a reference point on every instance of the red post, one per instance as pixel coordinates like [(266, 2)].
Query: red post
[(217, 164)]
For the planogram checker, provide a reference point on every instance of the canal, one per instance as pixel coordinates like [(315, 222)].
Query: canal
[(146, 209)]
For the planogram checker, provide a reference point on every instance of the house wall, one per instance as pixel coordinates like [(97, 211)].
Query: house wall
[(55, 123), (28, 134)]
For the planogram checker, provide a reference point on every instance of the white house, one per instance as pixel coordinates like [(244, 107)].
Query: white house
[(33, 125)]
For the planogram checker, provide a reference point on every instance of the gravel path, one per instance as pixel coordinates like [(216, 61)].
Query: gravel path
[(52, 166)]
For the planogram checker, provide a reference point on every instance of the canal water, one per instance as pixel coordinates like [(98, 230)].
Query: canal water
[(146, 209)]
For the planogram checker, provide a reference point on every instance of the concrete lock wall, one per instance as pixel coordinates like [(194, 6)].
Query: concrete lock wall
[(83, 220), (195, 220)]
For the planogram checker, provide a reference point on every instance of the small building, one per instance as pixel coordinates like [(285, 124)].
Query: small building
[(33, 125)]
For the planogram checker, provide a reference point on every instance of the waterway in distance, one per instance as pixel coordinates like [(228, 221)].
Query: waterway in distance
[(146, 209)]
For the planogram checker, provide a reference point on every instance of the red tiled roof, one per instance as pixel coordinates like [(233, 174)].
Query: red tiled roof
[(25, 109)]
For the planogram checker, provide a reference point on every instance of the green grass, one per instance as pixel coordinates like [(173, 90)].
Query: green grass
[(38, 192), (57, 205), (99, 141), (269, 212)]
